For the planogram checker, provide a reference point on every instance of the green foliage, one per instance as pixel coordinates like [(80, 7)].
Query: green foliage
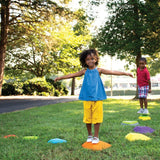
[(34, 86), (37, 86), (44, 94), (130, 31), (153, 64), (47, 49), (152, 35), (64, 120), (47, 44), (57, 93), (18, 21), (60, 89), (107, 83), (9, 89), (122, 30), (81, 27), (12, 87)]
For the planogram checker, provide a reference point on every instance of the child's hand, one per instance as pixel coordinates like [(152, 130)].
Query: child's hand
[(149, 91), (56, 79), (129, 74)]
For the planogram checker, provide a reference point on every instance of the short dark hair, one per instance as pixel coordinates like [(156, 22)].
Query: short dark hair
[(85, 53), (143, 59)]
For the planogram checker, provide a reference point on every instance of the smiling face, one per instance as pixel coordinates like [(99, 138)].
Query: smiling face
[(142, 64), (90, 61)]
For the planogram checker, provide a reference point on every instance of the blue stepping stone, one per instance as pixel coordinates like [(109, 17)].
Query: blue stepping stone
[(57, 140)]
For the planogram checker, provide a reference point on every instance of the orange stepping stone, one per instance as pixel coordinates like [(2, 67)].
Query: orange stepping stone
[(11, 135), (98, 147)]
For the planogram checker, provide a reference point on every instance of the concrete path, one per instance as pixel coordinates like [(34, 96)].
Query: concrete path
[(14, 103)]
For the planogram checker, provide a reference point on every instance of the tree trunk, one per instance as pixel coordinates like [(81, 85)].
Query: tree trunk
[(73, 86), (137, 61), (3, 40), (111, 80), (137, 39)]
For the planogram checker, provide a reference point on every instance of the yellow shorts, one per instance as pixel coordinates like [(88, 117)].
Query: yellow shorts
[(93, 112)]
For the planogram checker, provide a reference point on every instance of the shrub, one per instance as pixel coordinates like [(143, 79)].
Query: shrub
[(65, 90), (9, 89), (60, 88), (57, 93), (38, 86), (43, 94)]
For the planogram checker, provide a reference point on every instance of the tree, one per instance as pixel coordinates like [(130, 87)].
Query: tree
[(152, 22), (81, 29), (11, 15), (51, 48), (129, 31), (154, 64), (3, 38)]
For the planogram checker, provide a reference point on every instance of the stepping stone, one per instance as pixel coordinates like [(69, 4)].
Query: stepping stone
[(10, 135), (57, 140), (143, 129), (132, 123), (98, 147), (144, 117), (136, 136), (30, 137)]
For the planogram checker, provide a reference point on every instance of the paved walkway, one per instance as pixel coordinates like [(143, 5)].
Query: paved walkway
[(14, 103)]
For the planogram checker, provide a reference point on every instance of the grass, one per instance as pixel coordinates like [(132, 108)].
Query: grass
[(65, 121)]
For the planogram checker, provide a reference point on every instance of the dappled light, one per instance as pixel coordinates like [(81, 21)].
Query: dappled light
[(110, 111)]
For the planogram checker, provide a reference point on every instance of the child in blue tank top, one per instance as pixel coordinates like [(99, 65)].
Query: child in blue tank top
[(92, 92)]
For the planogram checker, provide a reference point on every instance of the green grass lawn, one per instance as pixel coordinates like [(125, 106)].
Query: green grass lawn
[(65, 121)]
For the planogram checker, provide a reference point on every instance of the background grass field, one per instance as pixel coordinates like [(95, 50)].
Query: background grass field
[(64, 121)]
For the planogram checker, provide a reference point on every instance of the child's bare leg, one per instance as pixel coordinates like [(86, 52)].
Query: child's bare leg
[(145, 102), (89, 129), (96, 129), (141, 102)]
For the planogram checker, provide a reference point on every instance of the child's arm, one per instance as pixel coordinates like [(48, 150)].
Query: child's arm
[(72, 75), (110, 72), (149, 91)]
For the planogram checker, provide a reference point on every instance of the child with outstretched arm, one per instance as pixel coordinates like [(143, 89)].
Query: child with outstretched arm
[(92, 92)]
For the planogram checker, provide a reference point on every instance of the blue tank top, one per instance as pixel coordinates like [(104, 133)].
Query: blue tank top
[(92, 87)]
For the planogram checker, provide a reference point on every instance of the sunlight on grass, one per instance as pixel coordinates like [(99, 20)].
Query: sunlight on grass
[(151, 107), (152, 103), (111, 111), (65, 121)]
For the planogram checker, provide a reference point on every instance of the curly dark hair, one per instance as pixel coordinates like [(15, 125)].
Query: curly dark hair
[(143, 59), (85, 53)]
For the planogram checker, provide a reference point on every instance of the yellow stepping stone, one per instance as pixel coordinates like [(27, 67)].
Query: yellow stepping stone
[(136, 136), (144, 118)]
